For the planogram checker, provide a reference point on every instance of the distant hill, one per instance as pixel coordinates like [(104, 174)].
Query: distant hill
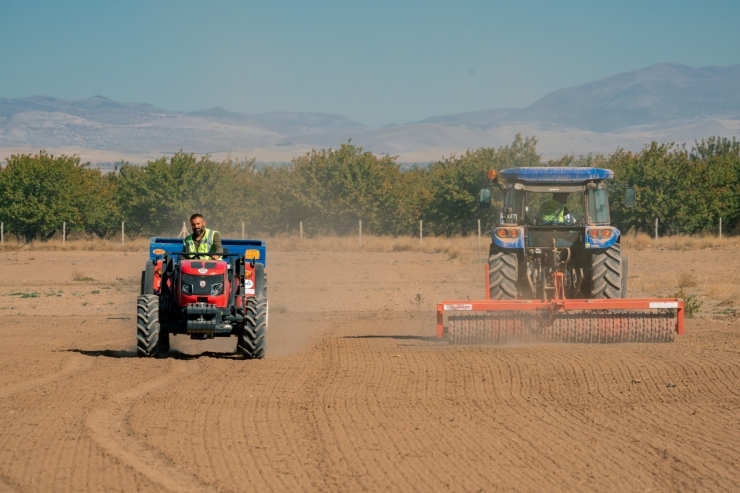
[(662, 94), (665, 102)]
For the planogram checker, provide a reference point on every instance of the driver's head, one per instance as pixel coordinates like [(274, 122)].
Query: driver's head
[(197, 224), (560, 197)]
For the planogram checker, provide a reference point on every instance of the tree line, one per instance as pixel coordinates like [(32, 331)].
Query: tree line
[(687, 188)]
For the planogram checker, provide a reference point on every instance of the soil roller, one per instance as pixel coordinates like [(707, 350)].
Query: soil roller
[(555, 271), (560, 320)]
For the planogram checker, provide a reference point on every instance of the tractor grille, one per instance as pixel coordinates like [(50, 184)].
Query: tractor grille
[(203, 285)]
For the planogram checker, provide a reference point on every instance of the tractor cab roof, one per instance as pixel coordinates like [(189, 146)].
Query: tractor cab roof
[(556, 175)]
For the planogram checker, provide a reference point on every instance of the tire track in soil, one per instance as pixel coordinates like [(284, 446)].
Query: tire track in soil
[(70, 366), (110, 431)]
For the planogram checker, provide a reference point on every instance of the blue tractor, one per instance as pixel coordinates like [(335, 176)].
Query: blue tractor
[(555, 220)]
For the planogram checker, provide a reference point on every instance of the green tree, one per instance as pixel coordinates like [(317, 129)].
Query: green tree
[(330, 190), (40, 192), (158, 197), (455, 182)]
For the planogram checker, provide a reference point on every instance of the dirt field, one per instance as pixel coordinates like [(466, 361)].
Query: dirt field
[(356, 394)]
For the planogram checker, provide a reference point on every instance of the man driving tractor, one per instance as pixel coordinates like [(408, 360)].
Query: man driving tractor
[(554, 211), (203, 240)]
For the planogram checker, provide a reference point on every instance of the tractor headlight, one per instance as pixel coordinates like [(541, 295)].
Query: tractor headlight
[(217, 289), (187, 288)]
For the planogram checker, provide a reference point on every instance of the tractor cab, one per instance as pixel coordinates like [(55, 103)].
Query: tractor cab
[(565, 204)]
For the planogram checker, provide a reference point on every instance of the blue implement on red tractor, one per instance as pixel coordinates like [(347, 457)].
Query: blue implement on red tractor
[(555, 269), (184, 293)]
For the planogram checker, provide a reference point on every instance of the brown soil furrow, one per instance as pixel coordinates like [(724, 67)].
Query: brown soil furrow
[(355, 396), (660, 420), (6, 486), (543, 425), (107, 425), (72, 364)]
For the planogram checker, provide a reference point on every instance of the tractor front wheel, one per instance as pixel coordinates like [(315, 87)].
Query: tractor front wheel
[(148, 337), (503, 270), (607, 273), (251, 341)]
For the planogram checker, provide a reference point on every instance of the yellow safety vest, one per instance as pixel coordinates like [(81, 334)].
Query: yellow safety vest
[(205, 246), (552, 212)]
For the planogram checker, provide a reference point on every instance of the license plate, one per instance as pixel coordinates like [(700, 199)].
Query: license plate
[(505, 218)]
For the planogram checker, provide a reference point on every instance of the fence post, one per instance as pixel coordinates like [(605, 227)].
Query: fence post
[(360, 232), (656, 229), (2, 232), (720, 228), (123, 233), (421, 232), (242, 230), (64, 233), (478, 234), (300, 225)]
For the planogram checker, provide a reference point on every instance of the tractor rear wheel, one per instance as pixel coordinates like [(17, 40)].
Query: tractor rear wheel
[(251, 341), (625, 270), (503, 270), (148, 341), (606, 273)]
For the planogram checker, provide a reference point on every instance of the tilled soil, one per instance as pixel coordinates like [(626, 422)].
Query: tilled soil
[(356, 394)]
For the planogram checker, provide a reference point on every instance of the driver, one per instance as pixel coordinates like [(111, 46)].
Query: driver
[(554, 210), (202, 240)]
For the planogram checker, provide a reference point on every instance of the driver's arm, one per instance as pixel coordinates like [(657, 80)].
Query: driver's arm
[(217, 247)]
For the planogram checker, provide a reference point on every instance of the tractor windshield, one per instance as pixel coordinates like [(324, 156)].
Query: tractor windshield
[(543, 208)]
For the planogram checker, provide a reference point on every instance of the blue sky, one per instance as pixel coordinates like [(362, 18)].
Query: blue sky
[(378, 62)]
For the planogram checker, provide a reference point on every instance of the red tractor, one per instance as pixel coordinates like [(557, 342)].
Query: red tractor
[(202, 297)]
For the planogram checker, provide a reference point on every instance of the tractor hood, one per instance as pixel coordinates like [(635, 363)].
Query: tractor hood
[(203, 267)]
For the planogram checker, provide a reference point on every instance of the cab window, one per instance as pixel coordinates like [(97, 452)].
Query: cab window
[(598, 206)]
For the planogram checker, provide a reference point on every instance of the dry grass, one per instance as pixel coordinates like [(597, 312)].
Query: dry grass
[(463, 248), (642, 241), (459, 247), (455, 247), (78, 244)]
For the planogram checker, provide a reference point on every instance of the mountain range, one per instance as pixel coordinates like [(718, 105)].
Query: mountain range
[(665, 102)]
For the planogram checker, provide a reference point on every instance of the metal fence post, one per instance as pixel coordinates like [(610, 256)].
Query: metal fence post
[(123, 233), (720, 228), (421, 233), (360, 232), (656, 229), (242, 230), (300, 225), (64, 232)]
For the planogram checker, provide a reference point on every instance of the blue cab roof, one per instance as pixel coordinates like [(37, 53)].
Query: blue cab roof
[(556, 175)]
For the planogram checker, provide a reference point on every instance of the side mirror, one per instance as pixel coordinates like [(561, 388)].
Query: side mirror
[(485, 198), (629, 197)]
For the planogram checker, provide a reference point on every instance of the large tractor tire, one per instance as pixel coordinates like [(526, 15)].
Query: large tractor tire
[(147, 278), (606, 273), (625, 271), (260, 281), (503, 274), (149, 341), (251, 341)]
